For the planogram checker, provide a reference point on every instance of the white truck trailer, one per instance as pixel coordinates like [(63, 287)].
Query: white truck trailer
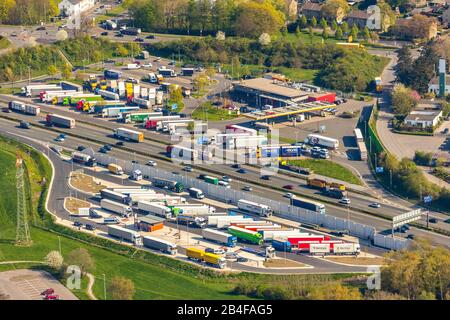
[(160, 245), (156, 209), (219, 236), (256, 208), (108, 95), (116, 207), (318, 140), (124, 234), (24, 108), (212, 220), (35, 90), (127, 134), (222, 224), (195, 209)]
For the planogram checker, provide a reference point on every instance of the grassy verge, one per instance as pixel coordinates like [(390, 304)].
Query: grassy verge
[(328, 168), (4, 42), (208, 112)]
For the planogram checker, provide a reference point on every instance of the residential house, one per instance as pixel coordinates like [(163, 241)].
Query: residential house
[(417, 27), (423, 118), (310, 10), (69, 7), (359, 18)]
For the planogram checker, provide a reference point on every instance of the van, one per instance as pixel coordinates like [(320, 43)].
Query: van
[(217, 251), (224, 184)]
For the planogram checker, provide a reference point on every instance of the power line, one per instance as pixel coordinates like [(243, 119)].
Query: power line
[(23, 237)]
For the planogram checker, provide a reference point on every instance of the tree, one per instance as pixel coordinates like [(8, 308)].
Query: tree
[(81, 258), (54, 260), (5, 9), (311, 34), (403, 100), (366, 33), (297, 32), (121, 288), (303, 21), (325, 33), (210, 72), (264, 39), (335, 9), (66, 72), (313, 22), (122, 51), (52, 69), (344, 27), (323, 23), (423, 158), (334, 25), (338, 34), (334, 292), (355, 32)]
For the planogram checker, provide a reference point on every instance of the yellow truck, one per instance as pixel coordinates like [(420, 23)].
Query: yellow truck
[(195, 253), (114, 168), (214, 260)]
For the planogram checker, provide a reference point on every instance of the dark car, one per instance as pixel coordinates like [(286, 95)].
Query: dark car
[(139, 40), (243, 171), (119, 35), (119, 143), (77, 224), (81, 148), (150, 37), (445, 130), (241, 259), (201, 176), (6, 110), (90, 227), (288, 187), (105, 33), (411, 236), (135, 161), (433, 220), (247, 188), (265, 177), (107, 147), (103, 150), (236, 166)]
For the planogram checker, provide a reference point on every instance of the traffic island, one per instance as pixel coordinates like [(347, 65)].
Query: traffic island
[(73, 205), (85, 183)]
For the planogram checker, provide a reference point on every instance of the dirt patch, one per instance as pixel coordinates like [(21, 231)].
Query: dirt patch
[(282, 263), (85, 183), (359, 261), (73, 204)]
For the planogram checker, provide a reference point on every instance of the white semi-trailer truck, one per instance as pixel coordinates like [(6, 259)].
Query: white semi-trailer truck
[(124, 234), (116, 207), (159, 244)]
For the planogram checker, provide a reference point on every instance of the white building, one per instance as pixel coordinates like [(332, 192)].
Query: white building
[(433, 86), (69, 7), (423, 118)]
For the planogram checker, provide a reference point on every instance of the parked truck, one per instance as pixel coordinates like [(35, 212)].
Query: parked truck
[(50, 95), (246, 235), (194, 209), (108, 95), (209, 258), (219, 237), (115, 168), (309, 205), (127, 134), (191, 220), (256, 208), (24, 108), (115, 196), (156, 209), (116, 207), (160, 245), (61, 121), (138, 117), (281, 245), (117, 111), (35, 90), (213, 219), (84, 159), (196, 193), (124, 234), (335, 193), (168, 184), (318, 140)]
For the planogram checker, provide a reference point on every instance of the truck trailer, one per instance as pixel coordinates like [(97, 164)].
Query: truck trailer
[(246, 235), (156, 209), (127, 134), (117, 111), (168, 184), (219, 237), (24, 108), (35, 90), (160, 245), (190, 220), (115, 168), (116, 207), (61, 121), (108, 95), (318, 140), (84, 159), (309, 205), (256, 208), (124, 234), (115, 196), (138, 117)]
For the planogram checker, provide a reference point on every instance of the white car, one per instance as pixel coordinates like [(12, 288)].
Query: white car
[(224, 184), (226, 179), (344, 201), (289, 195), (147, 65), (151, 163), (158, 109), (59, 139)]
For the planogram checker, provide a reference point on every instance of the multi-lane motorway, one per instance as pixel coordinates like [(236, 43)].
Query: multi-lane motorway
[(88, 131)]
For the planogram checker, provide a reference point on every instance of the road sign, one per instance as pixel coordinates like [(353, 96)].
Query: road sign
[(407, 217), (379, 169), (174, 106), (427, 199)]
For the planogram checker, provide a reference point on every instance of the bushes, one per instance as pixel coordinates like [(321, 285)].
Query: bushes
[(423, 158)]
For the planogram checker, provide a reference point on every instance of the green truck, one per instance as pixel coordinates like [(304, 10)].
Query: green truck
[(85, 97), (138, 117), (246, 235), (211, 180)]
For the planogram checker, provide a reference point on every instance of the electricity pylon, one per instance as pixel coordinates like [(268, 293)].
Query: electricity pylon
[(23, 232)]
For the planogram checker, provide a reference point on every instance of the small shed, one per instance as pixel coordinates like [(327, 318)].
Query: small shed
[(150, 223)]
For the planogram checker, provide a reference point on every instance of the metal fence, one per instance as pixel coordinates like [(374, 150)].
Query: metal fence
[(280, 209)]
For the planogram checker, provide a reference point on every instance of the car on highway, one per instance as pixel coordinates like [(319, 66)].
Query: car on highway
[(433, 220), (147, 65), (242, 171), (215, 251), (48, 291), (103, 150), (81, 148), (77, 224), (59, 139), (108, 147), (151, 163), (104, 33), (224, 184), (410, 236), (134, 161), (345, 201), (119, 35), (226, 179), (247, 188), (266, 177), (93, 214), (375, 205), (289, 195), (150, 37), (241, 259), (139, 40), (90, 227), (187, 169), (201, 176), (236, 166), (288, 187), (25, 125), (51, 297), (120, 143), (158, 109)]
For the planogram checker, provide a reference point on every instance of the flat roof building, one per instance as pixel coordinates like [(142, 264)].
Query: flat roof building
[(150, 223), (423, 118)]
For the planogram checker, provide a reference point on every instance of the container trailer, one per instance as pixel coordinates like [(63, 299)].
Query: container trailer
[(65, 85), (117, 111), (166, 72), (48, 96), (225, 223), (129, 135), (219, 237), (115, 196), (168, 184), (73, 100), (309, 205), (24, 108), (196, 221), (160, 245), (35, 90), (156, 209), (112, 74), (108, 95), (253, 207), (194, 209), (61, 121), (138, 117), (246, 235), (124, 234), (213, 219), (187, 72), (281, 245), (84, 159), (295, 240), (272, 234), (234, 128), (214, 260), (116, 207), (318, 140)]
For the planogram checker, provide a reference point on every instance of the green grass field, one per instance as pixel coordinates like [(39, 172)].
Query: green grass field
[(329, 169), (4, 43), (211, 113)]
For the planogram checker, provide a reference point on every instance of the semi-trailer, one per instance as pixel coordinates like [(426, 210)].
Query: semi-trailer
[(124, 234), (82, 97), (318, 140), (309, 205), (296, 240), (116, 207), (24, 108), (272, 234), (112, 74), (35, 90), (219, 237), (61, 121), (156, 209), (196, 221), (166, 72), (213, 219), (143, 103), (209, 258), (246, 235), (160, 245), (234, 128), (65, 85), (193, 209), (117, 111), (127, 134), (253, 207), (48, 96), (281, 245), (225, 223), (212, 180), (152, 122), (108, 94), (84, 159), (138, 117), (136, 197), (115, 196), (115, 168), (168, 184)]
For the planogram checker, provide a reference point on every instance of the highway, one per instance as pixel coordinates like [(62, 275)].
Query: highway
[(72, 142)]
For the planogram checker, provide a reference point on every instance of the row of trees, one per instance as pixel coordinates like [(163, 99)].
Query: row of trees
[(342, 69), (27, 11), (246, 18)]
